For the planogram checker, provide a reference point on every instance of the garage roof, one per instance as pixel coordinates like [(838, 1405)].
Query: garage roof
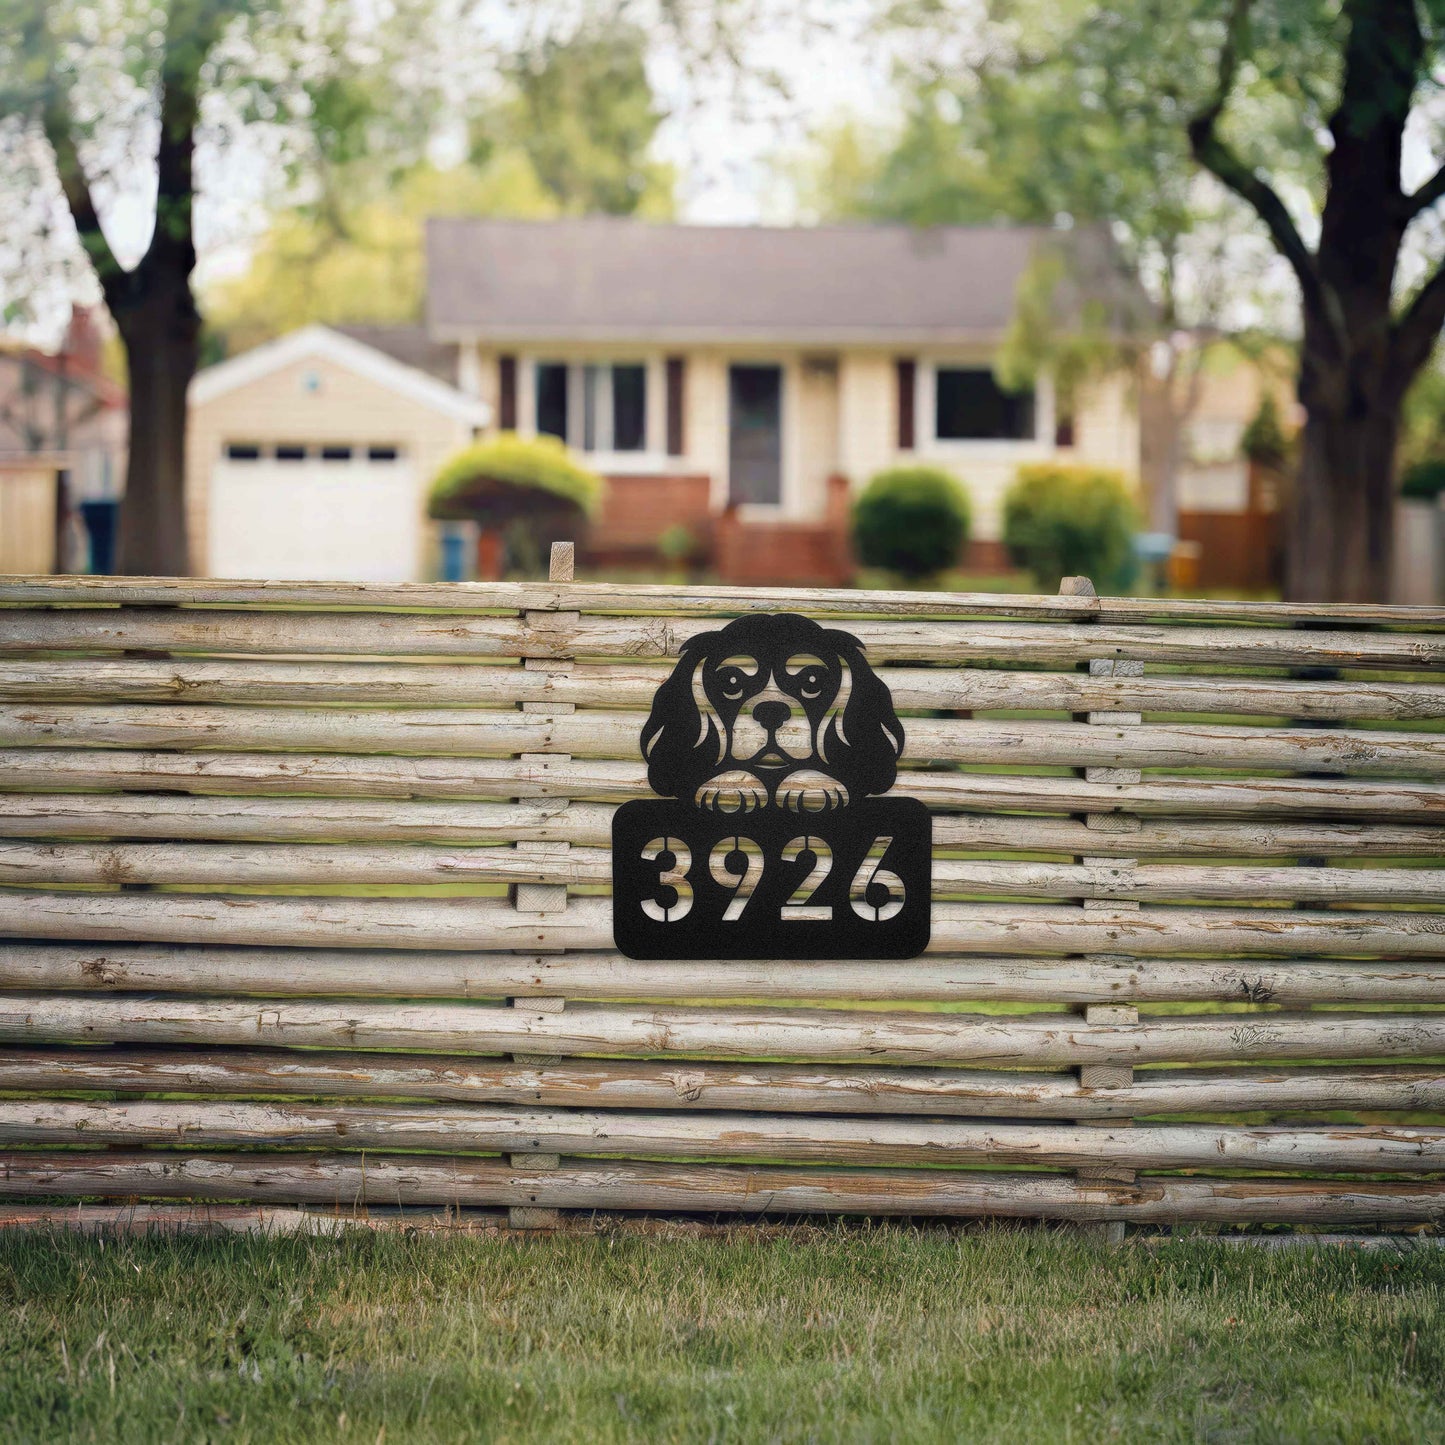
[(321, 343)]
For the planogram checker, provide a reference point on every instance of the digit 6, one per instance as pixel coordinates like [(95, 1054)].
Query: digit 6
[(870, 874)]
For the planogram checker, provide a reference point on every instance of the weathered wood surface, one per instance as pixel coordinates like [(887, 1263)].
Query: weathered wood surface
[(349, 1182), (780, 1088), (536, 634), (684, 601), (219, 818), (308, 774), (1029, 1040), (622, 685), (486, 924), (130, 968), (40, 864), (496, 732), (807, 1138)]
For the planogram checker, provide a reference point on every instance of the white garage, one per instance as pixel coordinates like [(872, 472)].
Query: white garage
[(309, 458)]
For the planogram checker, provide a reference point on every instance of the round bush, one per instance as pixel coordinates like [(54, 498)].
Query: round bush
[(1071, 522), (911, 520)]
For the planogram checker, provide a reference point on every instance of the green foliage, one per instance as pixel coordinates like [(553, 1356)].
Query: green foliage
[(1264, 441), (677, 545), (1062, 521), (585, 115), (511, 475), (1424, 481), (913, 521), (569, 135)]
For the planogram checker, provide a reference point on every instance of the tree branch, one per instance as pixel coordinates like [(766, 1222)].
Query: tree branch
[(58, 124), (1215, 155), (1414, 334), (1426, 196), (192, 28)]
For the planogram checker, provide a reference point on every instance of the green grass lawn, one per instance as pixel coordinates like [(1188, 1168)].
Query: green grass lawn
[(847, 1333)]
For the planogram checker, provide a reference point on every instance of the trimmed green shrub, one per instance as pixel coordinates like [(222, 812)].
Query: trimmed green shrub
[(1424, 481), (1264, 441), (913, 521), (1061, 521), (497, 481)]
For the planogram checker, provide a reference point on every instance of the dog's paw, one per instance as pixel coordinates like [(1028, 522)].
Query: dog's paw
[(737, 791), (809, 791)]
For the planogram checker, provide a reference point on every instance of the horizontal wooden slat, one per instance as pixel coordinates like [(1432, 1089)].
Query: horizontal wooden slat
[(172, 816), (161, 815), (190, 969), (684, 601), (308, 774), (496, 732), (231, 865), (622, 685), (349, 1183), (809, 1139), (781, 1088), (486, 924), (556, 635), (131, 967), (1029, 1040)]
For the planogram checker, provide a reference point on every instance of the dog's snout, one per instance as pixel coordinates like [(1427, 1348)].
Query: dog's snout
[(772, 715)]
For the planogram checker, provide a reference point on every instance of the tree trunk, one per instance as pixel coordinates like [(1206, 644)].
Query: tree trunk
[(161, 332), (1341, 519), (1340, 522)]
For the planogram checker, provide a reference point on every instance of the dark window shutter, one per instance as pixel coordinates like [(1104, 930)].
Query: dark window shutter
[(907, 370), (676, 395), (507, 393)]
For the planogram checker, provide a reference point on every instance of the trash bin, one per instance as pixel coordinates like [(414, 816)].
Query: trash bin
[(100, 520)]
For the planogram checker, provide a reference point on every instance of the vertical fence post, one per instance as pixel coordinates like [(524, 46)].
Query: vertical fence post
[(1119, 872), (543, 897)]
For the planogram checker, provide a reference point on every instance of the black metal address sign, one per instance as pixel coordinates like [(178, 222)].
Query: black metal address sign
[(769, 744)]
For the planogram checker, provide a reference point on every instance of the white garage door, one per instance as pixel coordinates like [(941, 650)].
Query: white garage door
[(289, 513)]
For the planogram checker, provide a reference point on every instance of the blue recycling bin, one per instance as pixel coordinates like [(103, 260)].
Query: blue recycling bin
[(101, 520), (454, 555)]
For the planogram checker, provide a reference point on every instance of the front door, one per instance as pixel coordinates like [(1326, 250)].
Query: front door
[(755, 434)]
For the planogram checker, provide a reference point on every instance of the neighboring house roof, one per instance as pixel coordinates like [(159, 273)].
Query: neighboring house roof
[(605, 278), (323, 344), (409, 344)]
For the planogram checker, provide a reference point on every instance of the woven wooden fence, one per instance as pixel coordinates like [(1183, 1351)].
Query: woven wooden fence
[(304, 899)]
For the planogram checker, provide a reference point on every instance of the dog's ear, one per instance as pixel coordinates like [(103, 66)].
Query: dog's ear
[(861, 739), (683, 737)]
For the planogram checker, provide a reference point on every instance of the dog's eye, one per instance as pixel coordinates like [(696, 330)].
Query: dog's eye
[(811, 683), (732, 684)]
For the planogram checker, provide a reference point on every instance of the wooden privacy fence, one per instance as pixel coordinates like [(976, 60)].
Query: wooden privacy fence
[(304, 898)]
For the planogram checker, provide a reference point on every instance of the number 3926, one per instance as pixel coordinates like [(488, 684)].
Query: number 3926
[(694, 884)]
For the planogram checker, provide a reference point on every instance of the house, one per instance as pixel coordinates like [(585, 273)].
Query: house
[(744, 381), (309, 457), (63, 427), (736, 385)]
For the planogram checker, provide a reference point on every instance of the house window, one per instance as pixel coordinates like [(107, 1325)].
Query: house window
[(552, 399), (969, 405), (335, 454), (381, 454), (609, 399), (242, 452), (288, 453)]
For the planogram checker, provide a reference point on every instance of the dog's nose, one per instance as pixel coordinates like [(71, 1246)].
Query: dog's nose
[(772, 715)]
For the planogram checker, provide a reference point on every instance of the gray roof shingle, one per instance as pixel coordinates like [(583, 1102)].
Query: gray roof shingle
[(604, 278)]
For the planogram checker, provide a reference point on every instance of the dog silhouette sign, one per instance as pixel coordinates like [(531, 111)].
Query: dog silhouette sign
[(769, 746)]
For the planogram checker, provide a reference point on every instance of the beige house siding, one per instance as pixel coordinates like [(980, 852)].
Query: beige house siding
[(27, 515), (840, 414), (315, 400)]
